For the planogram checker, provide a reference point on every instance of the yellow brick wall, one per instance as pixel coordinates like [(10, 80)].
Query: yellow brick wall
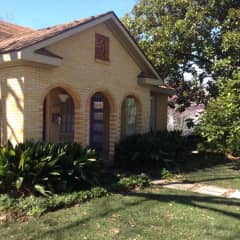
[(12, 104), (81, 76)]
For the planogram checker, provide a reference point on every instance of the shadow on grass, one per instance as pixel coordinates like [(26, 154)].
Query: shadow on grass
[(212, 179), (209, 203), (195, 162), (193, 201), (85, 220)]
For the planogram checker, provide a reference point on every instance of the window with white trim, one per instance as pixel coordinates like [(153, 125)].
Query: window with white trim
[(129, 119)]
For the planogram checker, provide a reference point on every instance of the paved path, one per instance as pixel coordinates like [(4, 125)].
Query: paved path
[(200, 188)]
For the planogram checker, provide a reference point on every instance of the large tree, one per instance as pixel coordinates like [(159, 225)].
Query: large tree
[(201, 37)]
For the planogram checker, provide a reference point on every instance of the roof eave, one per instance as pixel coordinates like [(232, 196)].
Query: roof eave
[(29, 56), (149, 81), (163, 90), (156, 85)]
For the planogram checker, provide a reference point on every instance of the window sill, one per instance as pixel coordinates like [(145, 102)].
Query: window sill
[(106, 62)]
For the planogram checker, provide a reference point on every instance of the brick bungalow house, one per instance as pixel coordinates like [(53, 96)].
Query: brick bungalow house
[(84, 81)]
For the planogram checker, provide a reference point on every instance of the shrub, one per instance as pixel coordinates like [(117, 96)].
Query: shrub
[(142, 152), (47, 168), (133, 181), (165, 174)]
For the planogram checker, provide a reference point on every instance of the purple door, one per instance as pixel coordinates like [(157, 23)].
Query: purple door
[(97, 122)]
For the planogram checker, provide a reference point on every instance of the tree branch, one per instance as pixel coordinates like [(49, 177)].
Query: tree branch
[(196, 56)]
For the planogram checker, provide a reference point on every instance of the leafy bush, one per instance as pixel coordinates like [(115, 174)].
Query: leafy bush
[(47, 168), (133, 181), (165, 174), (220, 124), (142, 152), (36, 206)]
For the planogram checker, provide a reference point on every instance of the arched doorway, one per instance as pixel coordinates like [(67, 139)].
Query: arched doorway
[(58, 116), (99, 123)]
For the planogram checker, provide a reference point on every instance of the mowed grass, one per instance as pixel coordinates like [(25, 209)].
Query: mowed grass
[(154, 213), (222, 175)]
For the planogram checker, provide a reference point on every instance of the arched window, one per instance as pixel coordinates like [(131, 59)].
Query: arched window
[(129, 116)]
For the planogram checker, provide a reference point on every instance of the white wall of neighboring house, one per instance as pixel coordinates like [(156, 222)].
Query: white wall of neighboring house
[(177, 120)]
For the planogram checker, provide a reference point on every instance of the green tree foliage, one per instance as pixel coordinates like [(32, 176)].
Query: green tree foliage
[(178, 35), (220, 124)]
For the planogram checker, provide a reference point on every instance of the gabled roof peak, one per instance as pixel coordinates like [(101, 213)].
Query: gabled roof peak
[(26, 44), (26, 37)]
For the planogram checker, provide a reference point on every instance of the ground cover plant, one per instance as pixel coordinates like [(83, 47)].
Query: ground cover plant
[(24, 207), (13, 209)]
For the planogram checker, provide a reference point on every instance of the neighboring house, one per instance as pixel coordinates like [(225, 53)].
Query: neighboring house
[(178, 120), (85, 81)]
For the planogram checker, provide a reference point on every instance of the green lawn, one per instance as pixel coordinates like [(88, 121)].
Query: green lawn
[(222, 175), (154, 213)]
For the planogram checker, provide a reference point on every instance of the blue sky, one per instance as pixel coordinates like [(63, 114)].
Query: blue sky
[(44, 13)]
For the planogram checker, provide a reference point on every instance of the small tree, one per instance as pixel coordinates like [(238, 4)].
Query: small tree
[(220, 124)]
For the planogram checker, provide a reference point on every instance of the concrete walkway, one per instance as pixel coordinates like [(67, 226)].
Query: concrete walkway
[(199, 188)]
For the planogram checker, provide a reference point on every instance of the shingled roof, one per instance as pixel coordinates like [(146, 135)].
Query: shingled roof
[(14, 37), (8, 30)]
